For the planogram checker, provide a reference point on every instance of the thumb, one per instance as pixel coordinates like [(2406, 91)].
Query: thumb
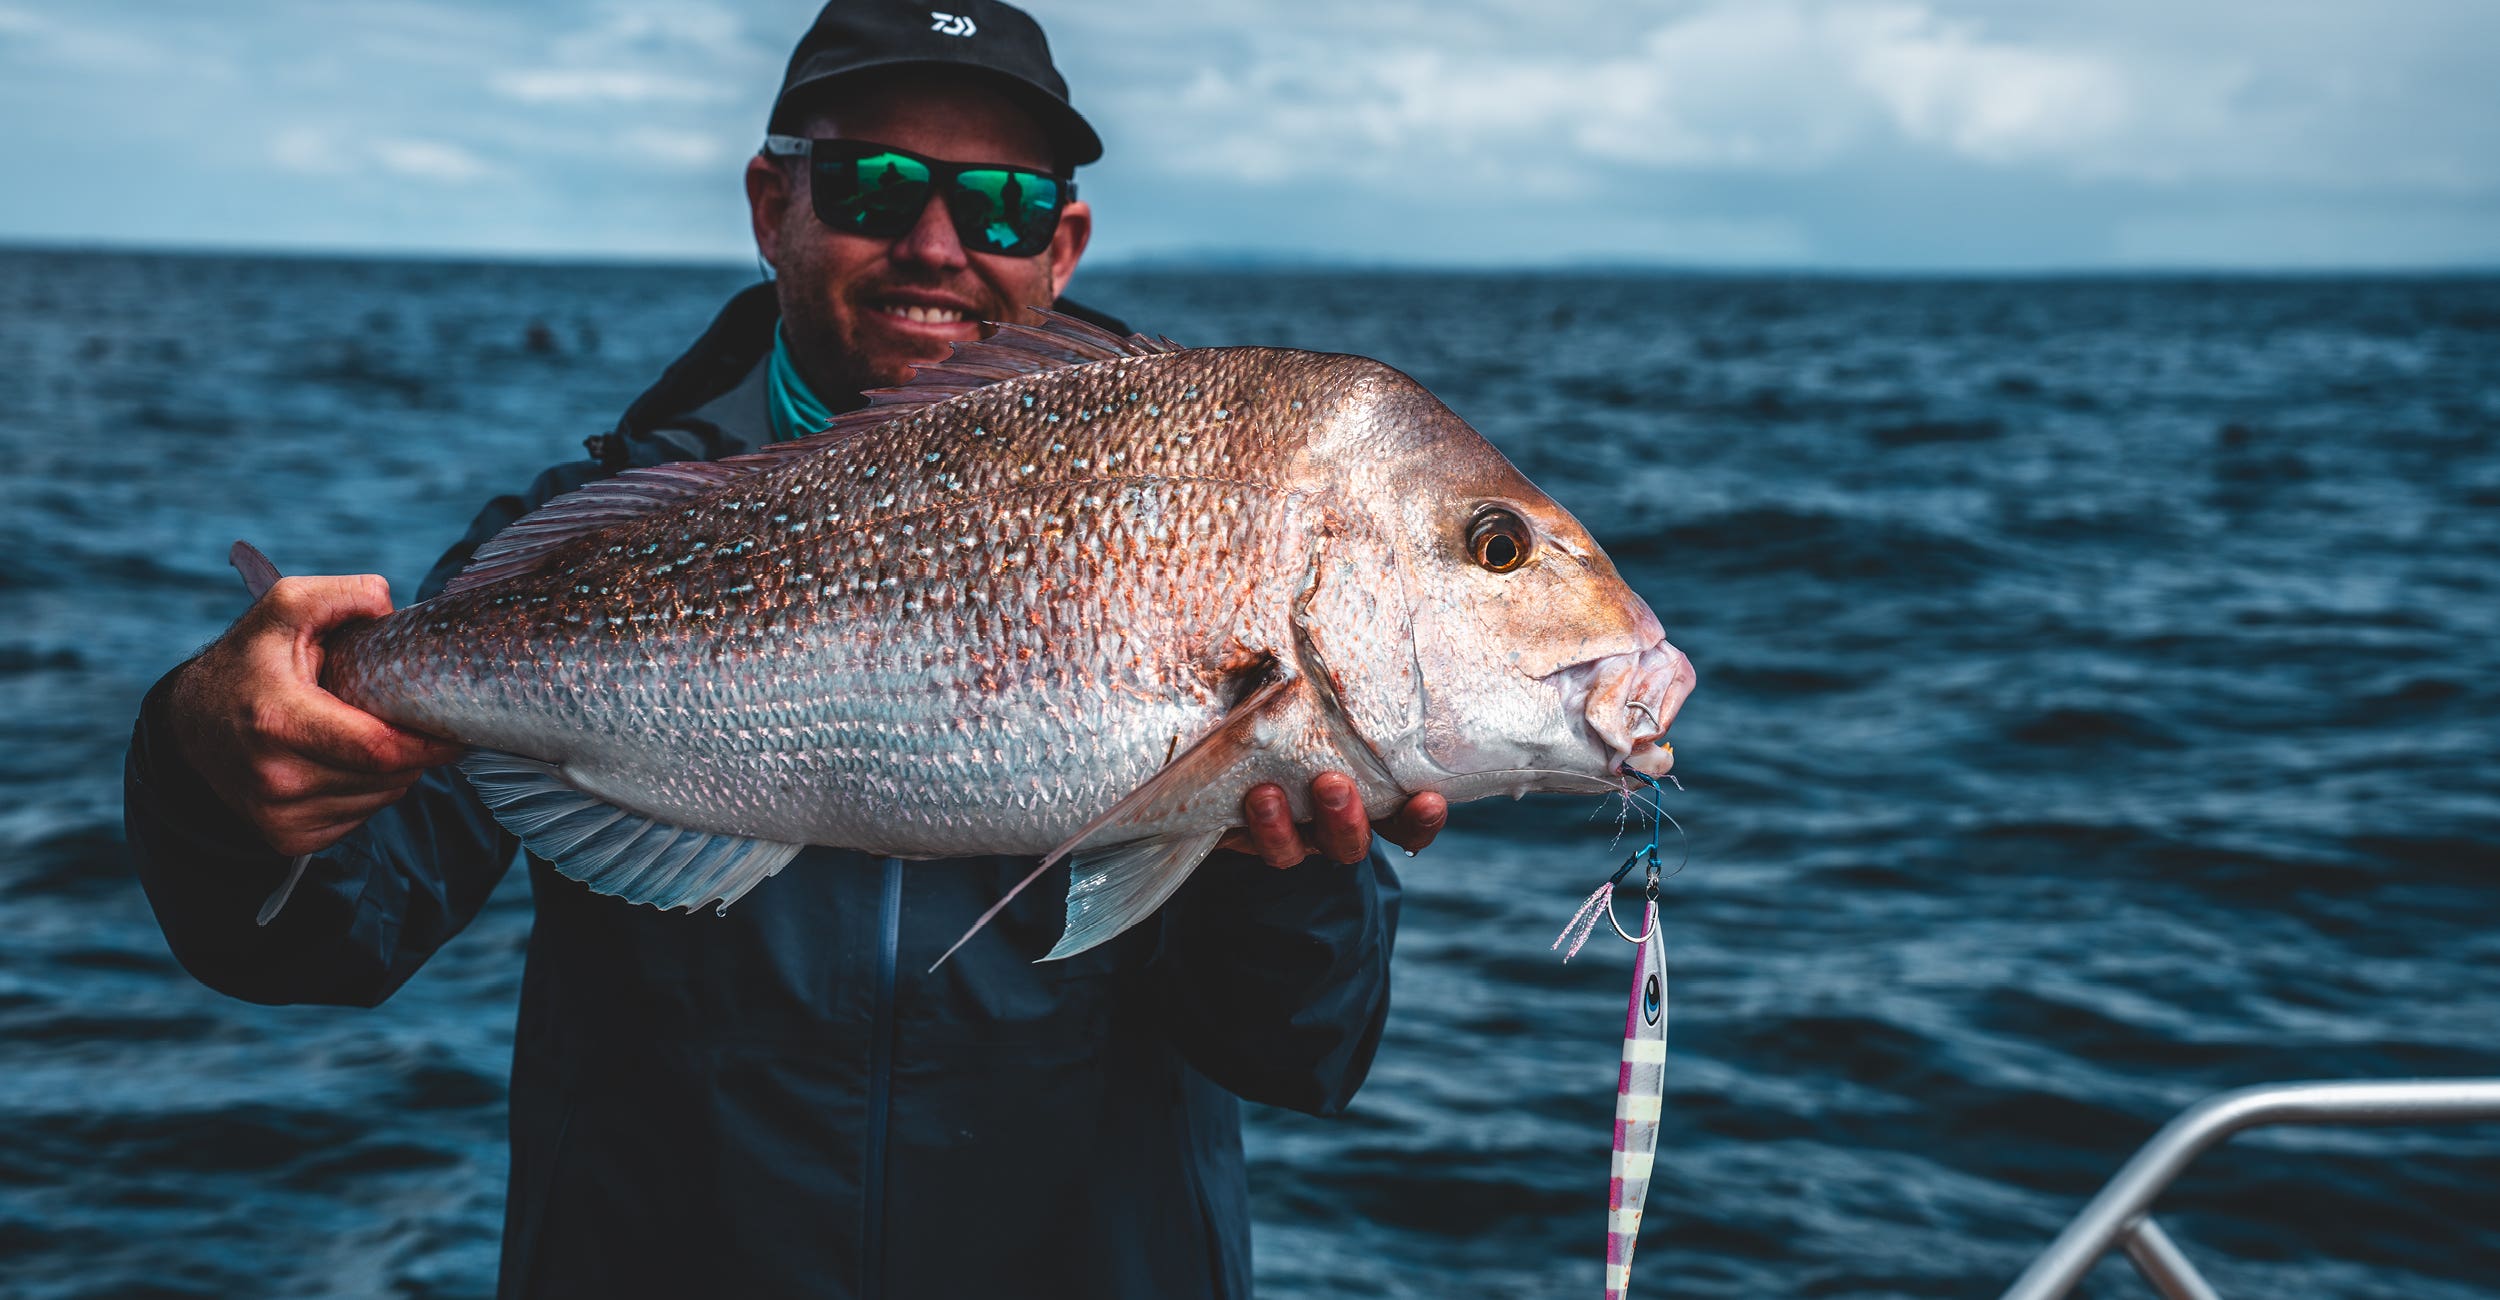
[(301, 613), (313, 607)]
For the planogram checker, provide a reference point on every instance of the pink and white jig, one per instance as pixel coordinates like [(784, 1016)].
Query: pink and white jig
[(1640, 1086)]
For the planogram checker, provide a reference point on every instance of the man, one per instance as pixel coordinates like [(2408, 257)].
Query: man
[(780, 1101)]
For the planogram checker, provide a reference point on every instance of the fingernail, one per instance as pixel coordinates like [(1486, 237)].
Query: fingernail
[(1333, 795)]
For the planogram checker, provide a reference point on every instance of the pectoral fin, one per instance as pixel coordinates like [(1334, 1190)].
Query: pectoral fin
[(1111, 889), (1124, 881)]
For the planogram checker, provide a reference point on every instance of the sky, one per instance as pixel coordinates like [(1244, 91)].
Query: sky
[(1849, 135)]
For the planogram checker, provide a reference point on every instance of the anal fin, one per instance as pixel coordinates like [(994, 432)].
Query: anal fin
[(616, 850)]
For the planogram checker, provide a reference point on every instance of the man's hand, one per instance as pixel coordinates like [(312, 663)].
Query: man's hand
[(1342, 829), (297, 762)]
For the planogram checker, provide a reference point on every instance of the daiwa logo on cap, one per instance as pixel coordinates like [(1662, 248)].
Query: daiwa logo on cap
[(951, 24)]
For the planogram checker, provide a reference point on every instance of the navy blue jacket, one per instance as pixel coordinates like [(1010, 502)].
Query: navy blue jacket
[(779, 1101)]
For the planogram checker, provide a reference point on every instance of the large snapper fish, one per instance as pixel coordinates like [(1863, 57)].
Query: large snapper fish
[(1064, 594)]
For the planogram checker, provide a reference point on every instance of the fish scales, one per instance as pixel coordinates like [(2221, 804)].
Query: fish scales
[(1079, 609), (894, 635)]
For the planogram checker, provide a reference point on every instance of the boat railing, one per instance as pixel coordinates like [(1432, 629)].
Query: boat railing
[(2121, 1215)]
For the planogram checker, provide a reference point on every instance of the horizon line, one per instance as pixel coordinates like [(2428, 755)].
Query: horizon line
[(1268, 260)]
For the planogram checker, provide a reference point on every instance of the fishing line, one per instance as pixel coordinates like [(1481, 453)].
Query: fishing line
[(1658, 809), (1601, 903)]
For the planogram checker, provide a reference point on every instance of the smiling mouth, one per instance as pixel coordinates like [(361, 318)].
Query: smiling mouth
[(924, 315)]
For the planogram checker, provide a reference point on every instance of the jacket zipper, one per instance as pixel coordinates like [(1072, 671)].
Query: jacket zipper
[(880, 1081)]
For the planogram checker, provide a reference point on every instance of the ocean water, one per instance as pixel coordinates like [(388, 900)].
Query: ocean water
[(2097, 711)]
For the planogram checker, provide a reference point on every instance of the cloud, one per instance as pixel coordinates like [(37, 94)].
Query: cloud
[(431, 160), (310, 151), (1888, 133), (600, 86), (674, 54), (98, 47), (673, 31), (1942, 83), (1757, 84), (679, 150), (1577, 95), (328, 151)]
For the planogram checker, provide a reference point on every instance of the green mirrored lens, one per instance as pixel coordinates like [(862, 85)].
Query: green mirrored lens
[(881, 193), (872, 195), (1012, 209)]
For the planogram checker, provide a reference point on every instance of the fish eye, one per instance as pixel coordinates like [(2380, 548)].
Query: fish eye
[(1499, 540)]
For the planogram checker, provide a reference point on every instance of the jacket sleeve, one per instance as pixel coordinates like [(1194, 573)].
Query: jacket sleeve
[(1276, 983), (369, 910)]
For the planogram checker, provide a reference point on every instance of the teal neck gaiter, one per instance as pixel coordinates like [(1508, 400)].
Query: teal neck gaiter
[(796, 410)]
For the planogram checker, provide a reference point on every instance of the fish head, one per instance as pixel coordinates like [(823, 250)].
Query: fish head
[(1540, 667)]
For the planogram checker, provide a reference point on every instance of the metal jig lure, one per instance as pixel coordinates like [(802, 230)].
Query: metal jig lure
[(1640, 1086)]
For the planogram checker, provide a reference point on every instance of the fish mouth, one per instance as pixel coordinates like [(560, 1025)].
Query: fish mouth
[(1627, 701)]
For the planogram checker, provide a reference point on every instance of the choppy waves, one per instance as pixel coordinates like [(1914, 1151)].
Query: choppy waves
[(2096, 708)]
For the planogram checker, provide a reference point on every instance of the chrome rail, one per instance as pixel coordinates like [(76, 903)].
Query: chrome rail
[(2120, 1216)]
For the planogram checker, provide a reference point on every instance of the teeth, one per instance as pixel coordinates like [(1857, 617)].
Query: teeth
[(927, 315)]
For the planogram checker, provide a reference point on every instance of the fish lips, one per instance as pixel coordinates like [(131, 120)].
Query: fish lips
[(1627, 702)]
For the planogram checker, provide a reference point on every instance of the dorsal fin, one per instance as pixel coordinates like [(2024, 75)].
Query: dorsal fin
[(630, 495), (1011, 352)]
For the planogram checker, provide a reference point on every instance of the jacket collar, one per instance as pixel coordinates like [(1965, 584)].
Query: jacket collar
[(742, 415)]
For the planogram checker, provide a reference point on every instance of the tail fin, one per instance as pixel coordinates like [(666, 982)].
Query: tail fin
[(258, 573)]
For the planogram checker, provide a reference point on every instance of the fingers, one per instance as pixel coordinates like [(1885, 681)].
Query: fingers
[(1344, 833), (1338, 828), (281, 778), (290, 710), (1416, 824), (301, 765), (314, 724), (1273, 836), (316, 606), (311, 826)]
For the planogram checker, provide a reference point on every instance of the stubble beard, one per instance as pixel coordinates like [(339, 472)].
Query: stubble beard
[(831, 335)]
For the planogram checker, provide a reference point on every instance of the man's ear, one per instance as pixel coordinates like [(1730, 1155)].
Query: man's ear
[(1076, 226), (769, 198)]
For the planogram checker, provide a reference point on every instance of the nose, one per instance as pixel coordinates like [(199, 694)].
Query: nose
[(932, 241)]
